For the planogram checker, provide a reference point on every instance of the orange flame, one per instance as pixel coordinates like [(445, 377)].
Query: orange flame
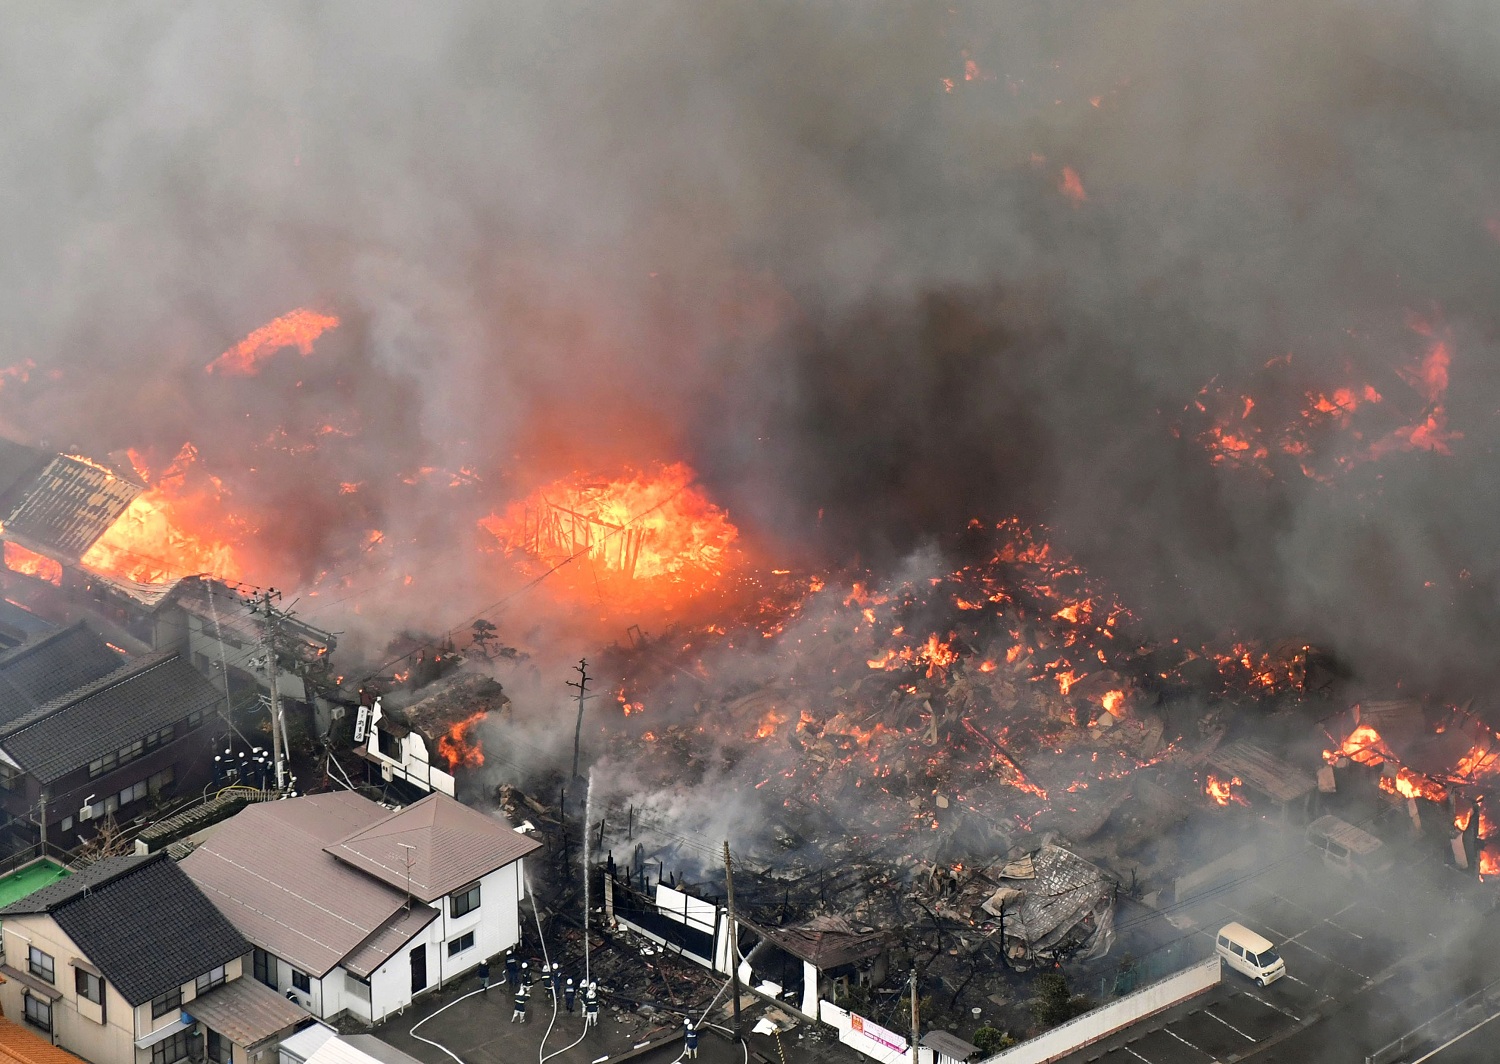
[(769, 723), (652, 536), (1071, 185), (1222, 790), (298, 329), (170, 531), (20, 560), (458, 748), (1364, 745), (1410, 784)]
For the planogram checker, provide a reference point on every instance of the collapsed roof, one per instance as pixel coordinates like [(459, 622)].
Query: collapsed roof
[(1054, 905), (59, 504)]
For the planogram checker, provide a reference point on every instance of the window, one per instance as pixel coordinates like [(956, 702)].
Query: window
[(67, 824), (159, 737), (461, 943), (389, 745), (101, 765), (194, 718), (38, 1013), (134, 793), (89, 986), (170, 1050), (209, 980), (219, 1050), (265, 969), (41, 964), (302, 981), (164, 1004), (161, 780), (463, 902)]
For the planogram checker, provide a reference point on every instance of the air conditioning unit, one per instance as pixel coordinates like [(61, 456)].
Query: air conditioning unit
[(86, 813)]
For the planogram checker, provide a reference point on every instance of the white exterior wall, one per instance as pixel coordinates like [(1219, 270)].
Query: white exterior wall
[(312, 1001), (415, 765), (496, 928)]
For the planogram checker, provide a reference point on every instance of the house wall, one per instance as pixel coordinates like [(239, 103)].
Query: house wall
[(77, 1023), (414, 766), (189, 754), (322, 999), (146, 1024), (496, 928)]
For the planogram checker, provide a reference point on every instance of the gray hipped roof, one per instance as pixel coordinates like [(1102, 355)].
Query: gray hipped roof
[(433, 847), (266, 870)]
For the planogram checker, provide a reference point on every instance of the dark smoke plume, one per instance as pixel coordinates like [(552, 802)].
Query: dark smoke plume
[(835, 255)]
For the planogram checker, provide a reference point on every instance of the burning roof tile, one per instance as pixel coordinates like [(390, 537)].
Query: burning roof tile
[(59, 504), (447, 702)]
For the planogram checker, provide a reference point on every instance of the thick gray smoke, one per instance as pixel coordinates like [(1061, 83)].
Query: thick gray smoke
[(827, 252)]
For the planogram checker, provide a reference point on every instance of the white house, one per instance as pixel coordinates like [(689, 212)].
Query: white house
[(420, 746), (352, 907)]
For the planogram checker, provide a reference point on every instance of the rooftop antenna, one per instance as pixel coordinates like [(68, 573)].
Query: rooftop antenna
[(410, 857)]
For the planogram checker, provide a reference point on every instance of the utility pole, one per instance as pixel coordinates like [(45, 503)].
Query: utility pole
[(734, 939), (268, 644), (582, 683), (915, 1055)]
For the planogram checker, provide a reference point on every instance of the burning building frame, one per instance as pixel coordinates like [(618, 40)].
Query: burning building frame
[(427, 739)]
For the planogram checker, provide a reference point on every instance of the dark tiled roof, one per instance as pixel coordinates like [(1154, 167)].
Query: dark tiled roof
[(64, 890), (69, 732), (141, 921), (45, 668), (433, 847)]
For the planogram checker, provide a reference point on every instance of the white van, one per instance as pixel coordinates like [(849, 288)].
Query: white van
[(1245, 951)]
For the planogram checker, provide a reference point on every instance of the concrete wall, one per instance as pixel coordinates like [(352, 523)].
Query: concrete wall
[(1117, 1015), (869, 1039)]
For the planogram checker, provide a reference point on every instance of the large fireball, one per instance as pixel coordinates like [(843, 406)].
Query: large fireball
[(647, 538)]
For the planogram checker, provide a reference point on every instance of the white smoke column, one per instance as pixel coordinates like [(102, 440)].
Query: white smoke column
[(588, 818)]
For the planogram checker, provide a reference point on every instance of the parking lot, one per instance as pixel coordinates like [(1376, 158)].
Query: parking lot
[(1336, 938)]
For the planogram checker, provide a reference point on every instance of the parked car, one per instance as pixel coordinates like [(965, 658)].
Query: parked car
[(1249, 953)]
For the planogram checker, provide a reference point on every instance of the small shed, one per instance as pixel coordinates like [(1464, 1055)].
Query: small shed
[(948, 1048), (831, 948), (1263, 772)]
